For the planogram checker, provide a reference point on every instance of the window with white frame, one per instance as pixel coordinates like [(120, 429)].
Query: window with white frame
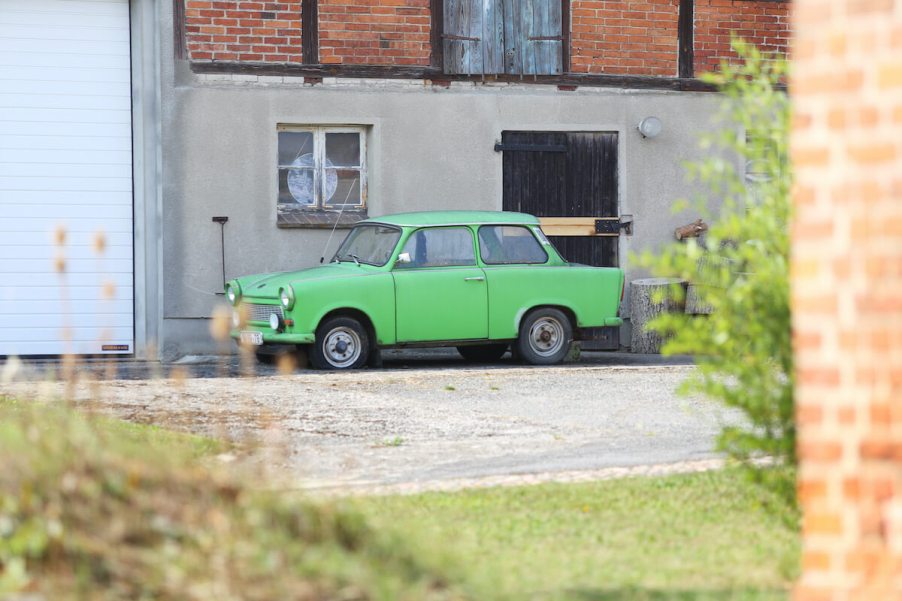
[(321, 175)]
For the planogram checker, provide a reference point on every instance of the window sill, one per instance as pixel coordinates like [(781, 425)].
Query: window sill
[(307, 218)]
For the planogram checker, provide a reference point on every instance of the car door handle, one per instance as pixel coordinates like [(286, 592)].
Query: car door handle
[(476, 279)]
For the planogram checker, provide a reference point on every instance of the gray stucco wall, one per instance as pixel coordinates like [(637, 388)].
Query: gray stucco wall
[(428, 148)]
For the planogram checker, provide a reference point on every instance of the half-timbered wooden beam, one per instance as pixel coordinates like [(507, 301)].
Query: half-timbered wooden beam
[(437, 8), (310, 31), (686, 38)]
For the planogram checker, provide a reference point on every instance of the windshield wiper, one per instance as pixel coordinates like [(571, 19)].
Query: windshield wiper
[(351, 256)]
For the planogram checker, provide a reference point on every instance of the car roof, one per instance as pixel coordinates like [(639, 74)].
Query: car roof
[(454, 218)]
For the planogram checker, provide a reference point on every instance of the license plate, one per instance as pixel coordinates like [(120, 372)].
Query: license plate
[(252, 338)]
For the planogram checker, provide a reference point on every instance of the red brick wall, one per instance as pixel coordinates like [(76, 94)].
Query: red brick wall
[(243, 31), (764, 23), (381, 32), (847, 296), (608, 36), (622, 37)]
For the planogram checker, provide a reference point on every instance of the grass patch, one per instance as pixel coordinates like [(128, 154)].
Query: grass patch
[(698, 536), (94, 508)]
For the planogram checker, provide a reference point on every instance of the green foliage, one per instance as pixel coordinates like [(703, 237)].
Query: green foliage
[(92, 509), (692, 536), (743, 348)]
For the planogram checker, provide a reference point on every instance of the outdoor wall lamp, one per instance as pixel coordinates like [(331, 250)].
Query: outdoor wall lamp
[(650, 127)]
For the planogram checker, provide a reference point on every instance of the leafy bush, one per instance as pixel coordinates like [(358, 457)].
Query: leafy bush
[(91, 510), (743, 348)]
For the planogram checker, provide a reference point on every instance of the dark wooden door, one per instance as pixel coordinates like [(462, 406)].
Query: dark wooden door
[(566, 174)]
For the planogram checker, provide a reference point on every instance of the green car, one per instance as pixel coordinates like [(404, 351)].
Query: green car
[(484, 282)]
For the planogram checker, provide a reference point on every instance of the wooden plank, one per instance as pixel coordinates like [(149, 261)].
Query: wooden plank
[(543, 41), (529, 27), (180, 44), (629, 82), (686, 38), (462, 37), (574, 228), (569, 221), (451, 50), (475, 13), (565, 36), (513, 64), (437, 28), (310, 31), (493, 36), (553, 59)]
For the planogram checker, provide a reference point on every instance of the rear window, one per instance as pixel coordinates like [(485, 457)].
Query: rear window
[(509, 244)]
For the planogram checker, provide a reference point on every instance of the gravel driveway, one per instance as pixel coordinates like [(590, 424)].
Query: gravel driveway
[(432, 424)]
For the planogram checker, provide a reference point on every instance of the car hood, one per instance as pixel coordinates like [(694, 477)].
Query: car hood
[(268, 284)]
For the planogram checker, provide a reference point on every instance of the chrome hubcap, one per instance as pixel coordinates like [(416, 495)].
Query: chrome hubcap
[(342, 347), (546, 336)]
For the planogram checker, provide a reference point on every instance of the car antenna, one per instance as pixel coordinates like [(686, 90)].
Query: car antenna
[(337, 220)]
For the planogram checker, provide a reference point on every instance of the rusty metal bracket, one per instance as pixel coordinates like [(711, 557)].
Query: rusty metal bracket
[(462, 38), (611, 226)]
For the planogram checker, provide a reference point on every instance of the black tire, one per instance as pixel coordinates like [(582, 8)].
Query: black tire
[(545, 337), (482, 353), (341, 343)]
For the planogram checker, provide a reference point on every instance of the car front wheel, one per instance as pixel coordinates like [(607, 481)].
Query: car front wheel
[(545, 337), (341, 343)]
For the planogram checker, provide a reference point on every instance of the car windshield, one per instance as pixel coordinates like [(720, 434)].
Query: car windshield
[(370, 244)]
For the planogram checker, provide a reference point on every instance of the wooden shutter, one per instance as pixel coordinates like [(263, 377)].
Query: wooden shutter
[(503, 36), (462, 40), (541, 24)]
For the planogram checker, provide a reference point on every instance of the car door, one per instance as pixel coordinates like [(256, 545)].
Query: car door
[(440, 292), (517, 276)]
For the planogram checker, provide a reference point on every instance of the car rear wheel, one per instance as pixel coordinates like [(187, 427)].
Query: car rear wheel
[(545, 337), (341, 343), (482, 353)]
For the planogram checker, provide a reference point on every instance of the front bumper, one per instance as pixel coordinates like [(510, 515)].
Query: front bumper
[(270, 337)]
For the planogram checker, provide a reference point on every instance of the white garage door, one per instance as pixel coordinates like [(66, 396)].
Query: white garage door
[(66, 268)]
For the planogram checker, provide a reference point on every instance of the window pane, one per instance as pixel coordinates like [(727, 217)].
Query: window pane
[(440, 247), (293, 145), (506, 244), (371, 244), (296, 187), (343, 149), (342, 188)]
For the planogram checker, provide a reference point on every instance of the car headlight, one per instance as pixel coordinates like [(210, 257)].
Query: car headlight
[(286, 297), (233, 293), (275, 321)]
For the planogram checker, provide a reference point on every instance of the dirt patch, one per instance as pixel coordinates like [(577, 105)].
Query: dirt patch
[(389, 427)]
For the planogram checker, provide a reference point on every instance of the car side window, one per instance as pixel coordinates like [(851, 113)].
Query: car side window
[(439, 247), (509, 244)]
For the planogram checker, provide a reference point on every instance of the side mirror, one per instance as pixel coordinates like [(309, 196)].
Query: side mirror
[(404, 258)]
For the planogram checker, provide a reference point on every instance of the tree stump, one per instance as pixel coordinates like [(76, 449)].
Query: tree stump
[(694, 303), (643, 309)]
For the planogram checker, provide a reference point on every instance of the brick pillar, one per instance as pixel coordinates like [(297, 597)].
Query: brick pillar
[(847, 295)]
